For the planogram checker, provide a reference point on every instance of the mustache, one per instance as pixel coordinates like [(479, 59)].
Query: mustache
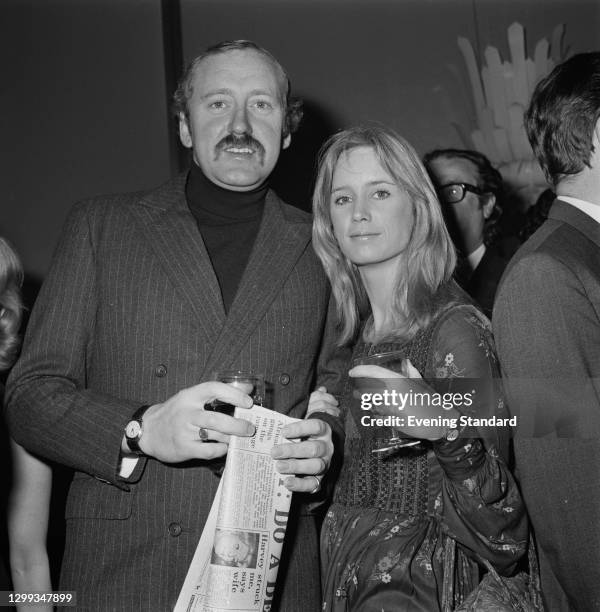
[(242, 140)]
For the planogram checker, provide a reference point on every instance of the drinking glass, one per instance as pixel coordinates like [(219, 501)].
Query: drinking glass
[(248, 382), (391, 360)]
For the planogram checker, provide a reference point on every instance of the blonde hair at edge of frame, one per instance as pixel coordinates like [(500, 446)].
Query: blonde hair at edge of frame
[(11, 278), (423, 281)]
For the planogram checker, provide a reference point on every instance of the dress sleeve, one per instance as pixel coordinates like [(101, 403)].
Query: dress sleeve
[(479, 505), (332, 370)]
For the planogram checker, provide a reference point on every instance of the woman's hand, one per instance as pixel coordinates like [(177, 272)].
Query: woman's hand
[(321, 401), (419, 408)]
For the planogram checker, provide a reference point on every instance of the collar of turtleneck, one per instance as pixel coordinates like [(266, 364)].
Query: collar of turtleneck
[(214, 205)]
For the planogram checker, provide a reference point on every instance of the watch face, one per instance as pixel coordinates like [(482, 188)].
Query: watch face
[(452, 435), (133, 429)]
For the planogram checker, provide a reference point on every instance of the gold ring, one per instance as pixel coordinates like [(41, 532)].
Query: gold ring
[(203, 434), (317, 486)]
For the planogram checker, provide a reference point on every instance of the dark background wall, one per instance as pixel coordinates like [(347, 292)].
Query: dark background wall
[(85, 84), (83, 104)]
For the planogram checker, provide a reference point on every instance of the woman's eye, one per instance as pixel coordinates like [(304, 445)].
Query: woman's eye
[(382, 194), (341, 200), (217, 104)]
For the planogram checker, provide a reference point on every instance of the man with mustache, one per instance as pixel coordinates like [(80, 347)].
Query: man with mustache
[(151, 293)]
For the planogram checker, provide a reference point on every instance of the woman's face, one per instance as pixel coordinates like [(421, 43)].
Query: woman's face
[(372, 216)]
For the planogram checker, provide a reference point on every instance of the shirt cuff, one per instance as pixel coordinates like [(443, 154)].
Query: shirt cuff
[(127, 467)]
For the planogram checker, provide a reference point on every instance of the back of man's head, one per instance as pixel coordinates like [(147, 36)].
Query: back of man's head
[(562, 116)]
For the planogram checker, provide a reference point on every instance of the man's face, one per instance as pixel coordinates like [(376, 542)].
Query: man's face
[(465, 219), (236, 119)]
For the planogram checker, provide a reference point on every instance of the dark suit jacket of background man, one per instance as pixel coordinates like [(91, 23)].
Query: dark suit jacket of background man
[(547, 327), (129, 314), (483, 282)]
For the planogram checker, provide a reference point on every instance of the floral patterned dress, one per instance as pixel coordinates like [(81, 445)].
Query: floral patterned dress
[(385, 539)]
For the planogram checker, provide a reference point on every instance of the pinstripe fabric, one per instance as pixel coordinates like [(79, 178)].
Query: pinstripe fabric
[(131, 288)]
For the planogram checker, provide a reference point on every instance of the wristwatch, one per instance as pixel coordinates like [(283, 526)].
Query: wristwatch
[(452, 434), (134, 430)]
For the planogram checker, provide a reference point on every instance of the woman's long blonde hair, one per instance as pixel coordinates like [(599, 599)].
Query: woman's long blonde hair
[(11, 278), (423, 283)]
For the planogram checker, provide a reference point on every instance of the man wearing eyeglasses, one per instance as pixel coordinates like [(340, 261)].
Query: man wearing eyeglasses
[(469, 187)]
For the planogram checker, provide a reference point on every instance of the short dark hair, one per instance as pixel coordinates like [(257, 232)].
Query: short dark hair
[(490, 180), (562, 115), (292, 106)]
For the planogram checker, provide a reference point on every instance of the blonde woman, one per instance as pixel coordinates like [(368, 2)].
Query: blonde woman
[(32, 479), (403, 518)]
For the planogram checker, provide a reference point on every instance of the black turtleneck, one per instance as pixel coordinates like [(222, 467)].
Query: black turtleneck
[(229, 223)]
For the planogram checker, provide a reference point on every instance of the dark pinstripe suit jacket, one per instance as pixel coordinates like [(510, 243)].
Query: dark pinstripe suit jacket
[(129, 314)]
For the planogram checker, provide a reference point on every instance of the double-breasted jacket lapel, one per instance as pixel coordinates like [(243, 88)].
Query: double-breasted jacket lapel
[(171, 232), (279, 244)]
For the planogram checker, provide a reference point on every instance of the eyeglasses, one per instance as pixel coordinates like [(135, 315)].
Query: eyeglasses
[(455, 192)]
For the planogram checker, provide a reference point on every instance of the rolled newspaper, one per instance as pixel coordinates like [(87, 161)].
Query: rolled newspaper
[(236, 561)]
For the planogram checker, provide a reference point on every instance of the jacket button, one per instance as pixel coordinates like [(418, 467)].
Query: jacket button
[(175, 529), (160, 371), (284, 379)]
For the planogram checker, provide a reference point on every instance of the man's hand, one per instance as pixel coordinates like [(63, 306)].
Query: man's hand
[(171, 430), (311, 456)]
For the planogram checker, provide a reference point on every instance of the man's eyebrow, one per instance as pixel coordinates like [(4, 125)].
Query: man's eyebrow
[(263, 92), (229, 92), (216, 92)]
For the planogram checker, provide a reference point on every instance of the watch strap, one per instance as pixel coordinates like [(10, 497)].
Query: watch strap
[(134, 443)]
